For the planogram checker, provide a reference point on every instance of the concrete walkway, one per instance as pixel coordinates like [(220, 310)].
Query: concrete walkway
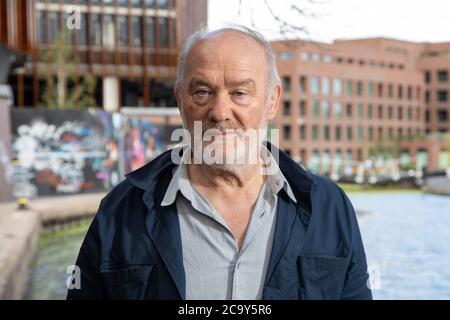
[(19, 231)]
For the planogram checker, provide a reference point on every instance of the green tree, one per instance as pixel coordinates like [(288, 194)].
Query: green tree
[(62, 72)]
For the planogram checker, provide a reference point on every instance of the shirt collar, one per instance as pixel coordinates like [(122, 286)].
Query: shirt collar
[(180, 180)]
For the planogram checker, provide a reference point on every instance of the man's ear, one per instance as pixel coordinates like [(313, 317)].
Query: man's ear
[(274, 102)]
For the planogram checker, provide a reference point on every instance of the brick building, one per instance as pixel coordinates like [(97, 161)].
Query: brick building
[(352, 100)]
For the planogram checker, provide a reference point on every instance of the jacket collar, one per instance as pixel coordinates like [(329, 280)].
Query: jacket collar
[(146, 177)]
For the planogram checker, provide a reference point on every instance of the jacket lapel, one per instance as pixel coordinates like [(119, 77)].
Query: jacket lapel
[(164, 229), (285, 221), (291, 223), (162, 222)]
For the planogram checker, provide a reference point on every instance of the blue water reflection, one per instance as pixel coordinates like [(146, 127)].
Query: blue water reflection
[(407, 242)]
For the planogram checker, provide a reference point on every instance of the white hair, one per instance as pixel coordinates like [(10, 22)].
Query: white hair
[(273, 79)]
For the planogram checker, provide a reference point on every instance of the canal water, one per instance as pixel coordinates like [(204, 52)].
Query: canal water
[(406, 236)]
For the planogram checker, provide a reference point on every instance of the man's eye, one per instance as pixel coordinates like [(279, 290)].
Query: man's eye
[(239, 93), (201, 93)]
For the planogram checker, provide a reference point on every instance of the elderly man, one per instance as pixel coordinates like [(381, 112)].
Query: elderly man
[(190, 225)]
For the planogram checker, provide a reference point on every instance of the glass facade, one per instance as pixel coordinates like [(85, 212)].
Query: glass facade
[(112, 28)]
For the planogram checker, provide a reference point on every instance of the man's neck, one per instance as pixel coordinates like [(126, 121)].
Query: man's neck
[(226, 183)]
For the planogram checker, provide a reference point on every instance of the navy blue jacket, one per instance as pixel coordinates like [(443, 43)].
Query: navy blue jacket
[(132, 249)]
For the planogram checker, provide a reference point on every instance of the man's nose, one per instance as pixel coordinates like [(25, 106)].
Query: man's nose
[(221, 108)]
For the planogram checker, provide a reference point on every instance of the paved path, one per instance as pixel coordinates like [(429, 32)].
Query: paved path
[(19, 231)]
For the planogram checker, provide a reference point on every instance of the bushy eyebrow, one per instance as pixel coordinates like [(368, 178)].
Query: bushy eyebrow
[(195, 82), (244, 82)]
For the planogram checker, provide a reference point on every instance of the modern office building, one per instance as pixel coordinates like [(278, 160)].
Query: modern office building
[(130, 46), (351, 100)]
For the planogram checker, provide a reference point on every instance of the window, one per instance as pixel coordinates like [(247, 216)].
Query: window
[(360, 110), (303, 132), (303, 108), (304, 56), (349, 110), (42, 30), (337, 110), (325, 86), (163, 24), (96, 36), (314, 162), (442, 75), (338, 159), (427, 96), (369, 89), (287, 132), (53, 17), (409, 92), (348, 87), (327, 59), (427, 76), (337, 87), (287, 108), (369, 111), (400, 91), (380, 111), (315, 109), (338, 133), (302, 85), (326, 133), (359, 88), (348, 157), (325, 109), (123, 30), (315, 133), (390, 112), (370, 133), (390, 90), (285, 55), (442, 95), (380, 90), (349, 133), (109, 33), (316, 57), (400, 113), (287, 84), (410, 113), (314, 84), (162, 4), (326, 161), (360, 133), (150, 29), (81, 34), (136, 3), (442, 115), (136, 27)]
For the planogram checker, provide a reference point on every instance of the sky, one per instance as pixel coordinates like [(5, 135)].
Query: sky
[(411, 20)]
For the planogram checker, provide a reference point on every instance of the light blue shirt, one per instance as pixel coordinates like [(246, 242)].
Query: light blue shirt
[(214, 266)]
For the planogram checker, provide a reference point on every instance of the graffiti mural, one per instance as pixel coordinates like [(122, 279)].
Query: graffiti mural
[(57, 151), (73, 151)]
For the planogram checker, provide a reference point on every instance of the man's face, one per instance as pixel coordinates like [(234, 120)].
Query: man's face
[(225, 87)]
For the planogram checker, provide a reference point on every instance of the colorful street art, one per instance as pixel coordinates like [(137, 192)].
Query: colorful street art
[(74, 151)]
